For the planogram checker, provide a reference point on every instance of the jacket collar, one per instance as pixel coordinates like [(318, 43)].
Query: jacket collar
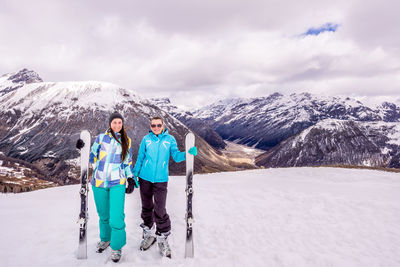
[(118, 135), (165, 132)]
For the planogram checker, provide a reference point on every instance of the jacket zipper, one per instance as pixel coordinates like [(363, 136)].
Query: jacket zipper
[(108, 163), (158, 155)]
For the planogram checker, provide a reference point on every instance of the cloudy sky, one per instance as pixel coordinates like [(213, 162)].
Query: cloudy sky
[(196, 52)]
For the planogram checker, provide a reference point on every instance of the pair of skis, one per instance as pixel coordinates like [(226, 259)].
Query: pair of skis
[(83, 215)]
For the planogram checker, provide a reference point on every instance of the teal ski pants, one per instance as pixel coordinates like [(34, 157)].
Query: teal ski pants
[(110, 204)]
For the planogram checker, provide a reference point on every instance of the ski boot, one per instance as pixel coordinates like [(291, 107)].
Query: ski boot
[(101, 246), (162, 241), (148, 238), (116, 255)]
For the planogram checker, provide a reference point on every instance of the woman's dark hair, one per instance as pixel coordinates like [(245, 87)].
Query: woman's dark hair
[(124, 142)]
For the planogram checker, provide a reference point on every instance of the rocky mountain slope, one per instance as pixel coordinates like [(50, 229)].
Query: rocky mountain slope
[(266, 121), (338, 142), (19, 176)]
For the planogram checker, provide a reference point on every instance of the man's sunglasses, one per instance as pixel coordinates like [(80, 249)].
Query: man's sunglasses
[(156, 125)]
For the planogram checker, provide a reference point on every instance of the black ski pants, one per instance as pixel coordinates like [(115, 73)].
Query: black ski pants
[(154, 199)]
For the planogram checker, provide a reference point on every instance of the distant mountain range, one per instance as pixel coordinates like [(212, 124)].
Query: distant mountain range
[(305, 129), (264, 122)]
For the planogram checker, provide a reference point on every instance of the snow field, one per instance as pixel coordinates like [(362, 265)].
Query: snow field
[(273, 217)]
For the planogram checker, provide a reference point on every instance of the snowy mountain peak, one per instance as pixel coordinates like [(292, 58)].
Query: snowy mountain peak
[(388, 105), (303, 95), (12, 81), (25, 76), (275, 95), (162, 100), (165, 104), (35, 96)]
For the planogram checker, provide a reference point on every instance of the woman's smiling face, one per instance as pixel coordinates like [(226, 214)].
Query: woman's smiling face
[(116, 125)]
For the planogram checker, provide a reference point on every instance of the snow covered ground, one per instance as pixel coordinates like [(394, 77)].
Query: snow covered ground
[(273, 217)]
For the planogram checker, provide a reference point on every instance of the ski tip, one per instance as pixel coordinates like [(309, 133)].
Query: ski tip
[(81, 256), (189, 138), (85, 134)]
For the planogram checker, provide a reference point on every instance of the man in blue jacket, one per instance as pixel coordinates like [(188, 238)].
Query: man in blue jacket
[(152, 170)]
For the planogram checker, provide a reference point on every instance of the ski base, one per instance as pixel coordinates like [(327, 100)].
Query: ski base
[(189, 247), (82, 250)]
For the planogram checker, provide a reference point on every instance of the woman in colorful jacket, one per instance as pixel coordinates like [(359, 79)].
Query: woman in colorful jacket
[(152, 170), (112, 158)]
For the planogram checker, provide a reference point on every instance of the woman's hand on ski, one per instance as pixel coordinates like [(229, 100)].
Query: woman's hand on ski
[(193, 151), (79, 143)]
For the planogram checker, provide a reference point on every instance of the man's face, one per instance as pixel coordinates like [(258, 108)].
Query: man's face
[(156, 126)]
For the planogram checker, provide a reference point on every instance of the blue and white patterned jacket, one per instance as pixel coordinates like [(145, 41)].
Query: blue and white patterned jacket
[(106, 155)]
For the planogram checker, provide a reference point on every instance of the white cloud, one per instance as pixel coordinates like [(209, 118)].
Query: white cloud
[(206, 50)]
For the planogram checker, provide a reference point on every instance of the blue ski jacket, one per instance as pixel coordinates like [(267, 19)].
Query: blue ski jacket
[(153, 158), (105, 154)]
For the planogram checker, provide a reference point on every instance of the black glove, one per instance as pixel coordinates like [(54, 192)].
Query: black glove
[(131, 186), (80, 144)]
